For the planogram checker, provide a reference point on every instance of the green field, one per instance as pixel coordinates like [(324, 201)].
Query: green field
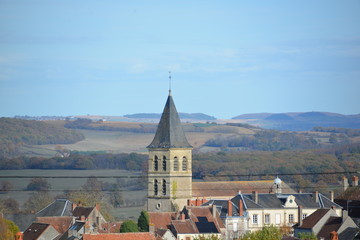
[(58, 185)]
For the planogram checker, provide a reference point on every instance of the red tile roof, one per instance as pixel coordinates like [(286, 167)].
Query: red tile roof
[(61, 224), (161, 220), (185, 226), (120, 236)]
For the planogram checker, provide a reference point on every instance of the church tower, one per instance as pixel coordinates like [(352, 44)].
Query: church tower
[(169, 165)]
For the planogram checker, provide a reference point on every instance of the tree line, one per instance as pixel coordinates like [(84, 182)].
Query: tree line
[(125, 161)]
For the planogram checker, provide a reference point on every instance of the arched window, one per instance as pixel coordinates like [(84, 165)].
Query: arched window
[(164, 163), (156, 164), (164, 187), (156, 187), (176, 164), (184, 164)]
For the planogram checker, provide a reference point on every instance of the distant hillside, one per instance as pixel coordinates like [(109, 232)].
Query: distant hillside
[(193, 116), (301, 121), (17, 132)]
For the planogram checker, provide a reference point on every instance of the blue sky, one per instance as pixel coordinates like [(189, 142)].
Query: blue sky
[(226, 57)]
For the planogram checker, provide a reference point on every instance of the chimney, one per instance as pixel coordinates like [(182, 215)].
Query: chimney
[(229, 208), (241, 208), (74, 205), (345, 215), (214, 210), (334, 235), (97, 206), (151, 228), (355, 181), (300, 190), (197, 202), (316, 196), (331, 196), (255, 196), (300, 215), (182, 216), (82, 219), (345, 183)]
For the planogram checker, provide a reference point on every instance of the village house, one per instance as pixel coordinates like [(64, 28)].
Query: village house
[(326, 224), (251, 212)]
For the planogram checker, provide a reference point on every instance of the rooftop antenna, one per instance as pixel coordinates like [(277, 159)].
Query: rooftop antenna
[(169, 83)]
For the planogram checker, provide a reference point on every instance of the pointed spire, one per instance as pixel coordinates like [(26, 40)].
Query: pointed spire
[(169, 133)]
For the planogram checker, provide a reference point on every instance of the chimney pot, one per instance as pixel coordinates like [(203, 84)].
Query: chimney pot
[(355, 181), (182, 216), (316, 196), (255, 196), (214, 210), (229, 208), (345, 183), (332, 196), (241, 208), (300, 215)]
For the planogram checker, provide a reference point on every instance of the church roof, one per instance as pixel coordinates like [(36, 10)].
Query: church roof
[(169, 133)]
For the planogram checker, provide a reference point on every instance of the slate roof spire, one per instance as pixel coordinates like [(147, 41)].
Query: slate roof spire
[(169, 133)]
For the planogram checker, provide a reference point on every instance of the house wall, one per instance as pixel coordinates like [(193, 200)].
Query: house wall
[(235, 227), (282, 213), (49, 233), (196, 236)]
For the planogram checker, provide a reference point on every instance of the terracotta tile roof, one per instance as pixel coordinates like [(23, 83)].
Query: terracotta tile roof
[(161, 220), (112, 227), (120, 236), (82, 211), (61, 224), (201, 212), (184, 226), (231, 188), (314, 218)]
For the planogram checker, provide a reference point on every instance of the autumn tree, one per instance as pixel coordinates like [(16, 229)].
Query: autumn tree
[(8, 229)]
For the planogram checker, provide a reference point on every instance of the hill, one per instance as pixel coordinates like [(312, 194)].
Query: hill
[(17, 132), (192, 116), (302, 121)]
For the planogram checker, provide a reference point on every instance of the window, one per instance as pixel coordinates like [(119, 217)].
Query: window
[(255, 219), (267, 218), (291, 218), (176, 164), (156, 163), (277, 219), (304, 215), (164, 187), (164, 163), (184, 164), (156, 187)]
